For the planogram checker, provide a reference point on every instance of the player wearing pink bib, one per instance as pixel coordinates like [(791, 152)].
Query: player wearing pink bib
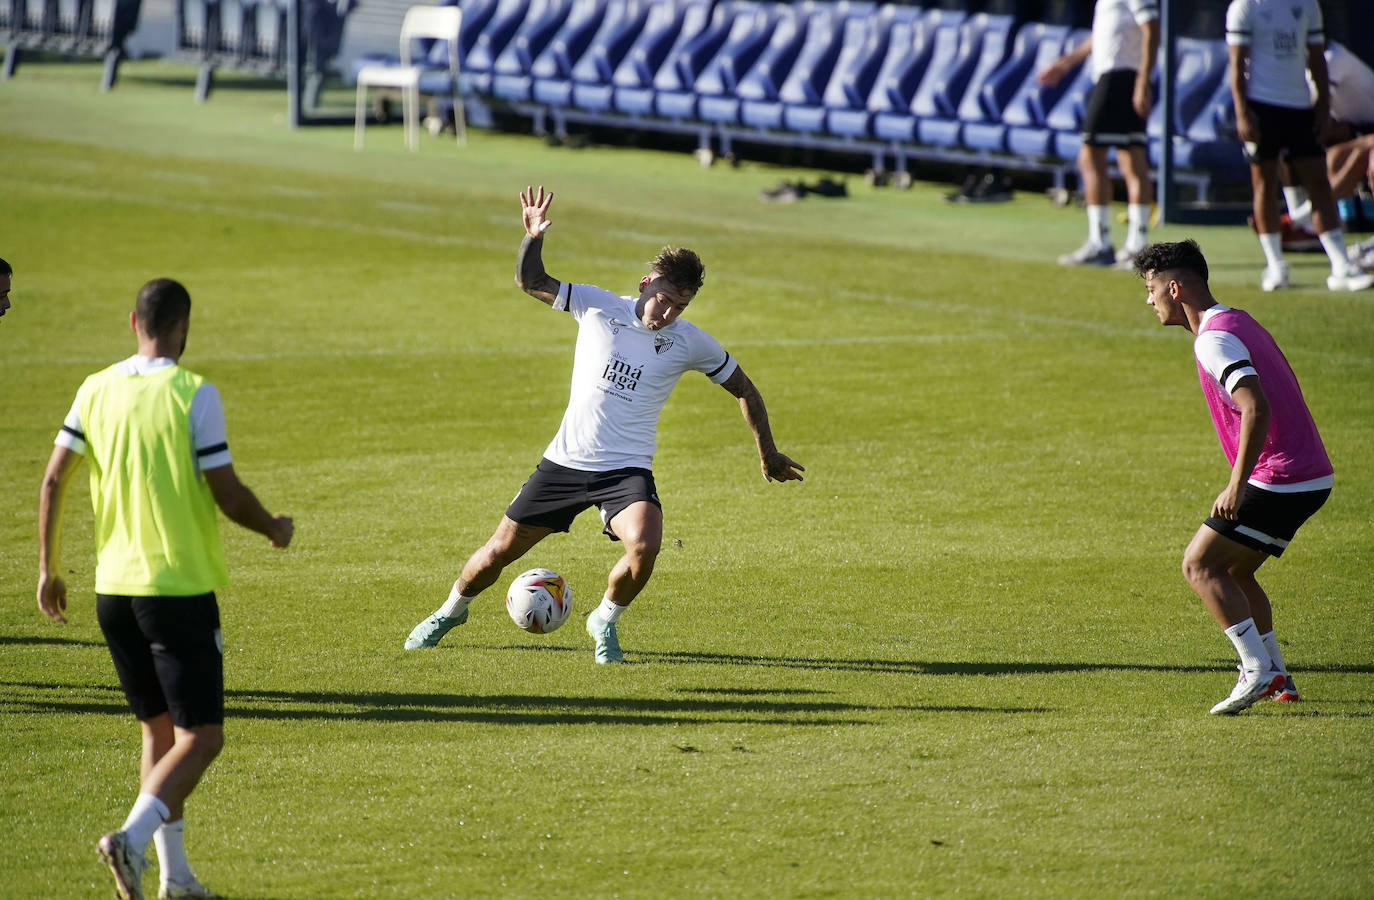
[(1280, 474), (630, 353)]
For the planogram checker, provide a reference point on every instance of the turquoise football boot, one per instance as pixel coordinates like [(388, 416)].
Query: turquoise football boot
[(607, 646), (432, 630)]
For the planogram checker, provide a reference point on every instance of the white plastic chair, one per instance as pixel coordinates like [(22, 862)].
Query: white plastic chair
[(442, 22)]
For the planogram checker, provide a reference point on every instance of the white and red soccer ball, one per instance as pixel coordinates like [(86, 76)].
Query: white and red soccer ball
[(539, 601)]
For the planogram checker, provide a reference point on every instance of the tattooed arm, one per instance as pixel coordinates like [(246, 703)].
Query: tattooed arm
[(529, 263)]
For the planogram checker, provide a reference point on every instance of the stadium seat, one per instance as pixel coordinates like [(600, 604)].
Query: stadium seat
[(1027, 113), (438, 22), (674, 95), (957, 91), (591, 84), (751, 28), (861, 60), (552, 70), (1036, 45), (721, 96), (510, 74), (501, 26), (670, 27), (905, 88), (798, 105)]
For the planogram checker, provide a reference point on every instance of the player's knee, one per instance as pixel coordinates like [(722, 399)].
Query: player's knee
[(1195, 569), (205, 741), (643, 548)]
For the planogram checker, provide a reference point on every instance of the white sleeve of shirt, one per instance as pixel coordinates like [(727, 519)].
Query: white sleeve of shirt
[(563, 302), (71, 435), (1144, 10), (1238, 26), (1316, 27), (1223, 356), (710, 359), (209, 436)]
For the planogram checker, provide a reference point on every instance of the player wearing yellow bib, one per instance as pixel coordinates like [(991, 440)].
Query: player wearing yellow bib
[(153, 434)]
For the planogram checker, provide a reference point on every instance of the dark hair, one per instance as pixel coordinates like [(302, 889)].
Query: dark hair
[(5, 268), (682, 268), (1160, 258), (163, 304)]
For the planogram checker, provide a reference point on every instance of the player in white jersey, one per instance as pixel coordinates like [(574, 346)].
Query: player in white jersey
[(1273, 45), (1122, 47), (630, 353)]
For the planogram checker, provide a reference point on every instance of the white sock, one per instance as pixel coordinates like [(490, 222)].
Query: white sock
[(455, 605), (1271, 646), (608, 610), (1245, 637), (1137, 224), (172, 863), (1099, 229), (145, 818), (1299, 208), (1334, 245), (1272, 244)]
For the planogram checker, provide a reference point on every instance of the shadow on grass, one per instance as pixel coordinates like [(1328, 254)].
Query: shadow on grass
[(511, 709), (930, 667), (44, 640)]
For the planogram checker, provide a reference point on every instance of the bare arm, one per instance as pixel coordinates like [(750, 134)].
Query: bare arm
[(1254, 427), (1055, 71), (1142, 98), (240, 504), (776, 465), (52, 590), (529, 263)]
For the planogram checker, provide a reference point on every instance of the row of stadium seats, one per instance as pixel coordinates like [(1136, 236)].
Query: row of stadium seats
[(73, 27), (891, 80), (251, 36)]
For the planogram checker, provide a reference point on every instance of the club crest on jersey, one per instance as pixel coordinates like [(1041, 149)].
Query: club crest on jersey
[(662, 344)]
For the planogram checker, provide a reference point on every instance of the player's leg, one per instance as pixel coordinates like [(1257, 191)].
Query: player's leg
[(1208, 564), (508, 543), (1262, 612), (1135, 171), (1311, 173), (1264, 182), (632, 517), (1097, 199)]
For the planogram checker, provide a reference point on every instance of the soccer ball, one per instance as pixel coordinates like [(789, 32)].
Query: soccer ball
[(539, 601)]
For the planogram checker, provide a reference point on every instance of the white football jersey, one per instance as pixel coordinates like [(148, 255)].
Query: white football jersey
[(622, 375), (1278, 34), (1116, 33)]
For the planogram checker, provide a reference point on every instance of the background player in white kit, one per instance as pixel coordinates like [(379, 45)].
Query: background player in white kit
[(1122, 47), (630, 353), (1273, 44)]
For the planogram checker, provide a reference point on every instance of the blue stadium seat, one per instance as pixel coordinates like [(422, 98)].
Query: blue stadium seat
[(672, 95), (510, 75), (983, 44), (906, 87), (501, 26), (836, 33), (552, 70), (591, 82), (670, 27), (1027, 112), (758, 90), (1035, 45), (861, 61), (750, 33)]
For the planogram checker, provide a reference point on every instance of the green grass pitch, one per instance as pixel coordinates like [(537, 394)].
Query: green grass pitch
[(960, 659)]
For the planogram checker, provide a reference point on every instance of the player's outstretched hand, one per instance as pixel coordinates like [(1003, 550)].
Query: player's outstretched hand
[(780, 467), (535, 211), (52, 596)]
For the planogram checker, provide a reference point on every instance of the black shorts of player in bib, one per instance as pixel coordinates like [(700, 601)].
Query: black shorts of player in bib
[(554, 495), (1285, 131), (168, 655), (1109, 117), (1267, 520)]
